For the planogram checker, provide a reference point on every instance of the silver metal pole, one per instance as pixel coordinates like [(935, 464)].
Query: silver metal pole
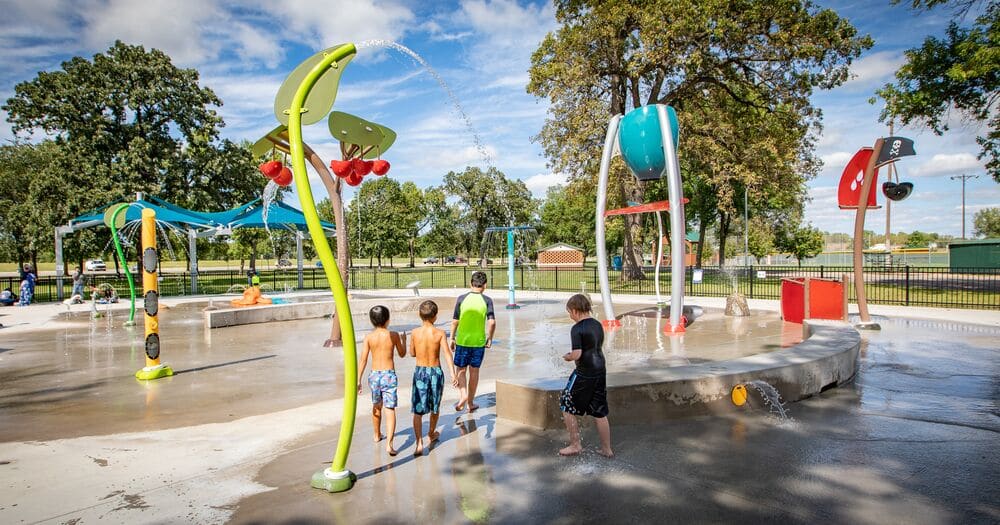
[(602, 203), (193, 251), (299, 255), (59, 264), (677, 227)]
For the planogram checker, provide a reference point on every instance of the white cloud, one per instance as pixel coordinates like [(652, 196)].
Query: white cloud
[(947, 164), (540, 183), (874, 69), (176, 27), (321, 23)]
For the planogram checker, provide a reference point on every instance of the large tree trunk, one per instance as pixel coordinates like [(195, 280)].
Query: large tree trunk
[(702, 228), (723, 234), (412, 255)]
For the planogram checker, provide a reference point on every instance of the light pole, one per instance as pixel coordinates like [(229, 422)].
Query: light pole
[(963, 178)]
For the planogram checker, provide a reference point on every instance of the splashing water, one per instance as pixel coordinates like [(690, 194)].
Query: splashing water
[(477, 140), (771, 398), (270, 192)]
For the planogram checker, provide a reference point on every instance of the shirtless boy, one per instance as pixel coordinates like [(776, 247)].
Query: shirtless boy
[(428, 379), (380, 343)]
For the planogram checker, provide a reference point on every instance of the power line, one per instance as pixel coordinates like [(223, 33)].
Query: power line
[(963, 178)]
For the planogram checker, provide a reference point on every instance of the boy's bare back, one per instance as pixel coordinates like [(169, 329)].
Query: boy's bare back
[(428, 342), (381, 342)]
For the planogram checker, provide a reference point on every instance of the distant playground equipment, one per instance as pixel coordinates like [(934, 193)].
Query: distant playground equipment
[(252, 294), (509, 232), (154, 369), (646, 138), (857, 191), (114, 218)]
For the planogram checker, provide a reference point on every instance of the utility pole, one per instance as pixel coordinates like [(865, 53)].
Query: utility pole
[(888, 203), (963, 178)]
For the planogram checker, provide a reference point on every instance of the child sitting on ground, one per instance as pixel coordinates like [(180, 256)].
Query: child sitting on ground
[(428, 379), (380, 343), (586, 391)]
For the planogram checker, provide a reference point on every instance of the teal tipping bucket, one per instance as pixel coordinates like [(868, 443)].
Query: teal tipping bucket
[(641, 142)]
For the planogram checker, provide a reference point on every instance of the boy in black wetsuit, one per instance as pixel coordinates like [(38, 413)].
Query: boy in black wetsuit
[(586, 392)]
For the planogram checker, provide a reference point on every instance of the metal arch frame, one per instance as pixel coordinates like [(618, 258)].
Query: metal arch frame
[(677, 228)]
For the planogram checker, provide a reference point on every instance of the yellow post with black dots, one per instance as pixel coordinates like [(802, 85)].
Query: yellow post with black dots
[(150, 287)]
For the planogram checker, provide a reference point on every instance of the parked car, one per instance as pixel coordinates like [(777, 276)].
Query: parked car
[(95, 265), (431, 260), (284, 263)]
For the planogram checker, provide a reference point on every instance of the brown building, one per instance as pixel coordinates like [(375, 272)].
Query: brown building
[(560, 254)]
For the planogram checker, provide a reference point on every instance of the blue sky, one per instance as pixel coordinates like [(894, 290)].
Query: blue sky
[(482, 49)]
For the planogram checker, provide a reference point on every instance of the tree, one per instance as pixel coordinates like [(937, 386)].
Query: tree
[(801, 242), (986, 223), (567, 215), (918, 239), (444, 232), (129, 117), (126, 121), (760, 238), (488, 199), (382, 229), (725, 66), (961, 71)]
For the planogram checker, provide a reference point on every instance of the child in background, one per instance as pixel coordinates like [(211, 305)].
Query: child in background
[(586, 391), (380, 343), (428, 379)]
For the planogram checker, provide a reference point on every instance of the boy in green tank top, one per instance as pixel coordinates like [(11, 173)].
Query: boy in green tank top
[(472, 330)]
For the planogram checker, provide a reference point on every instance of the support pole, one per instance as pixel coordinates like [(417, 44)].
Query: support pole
[(859, 232), (602, 202), (193, 255), (677, 226), (511, 303), (59, 263), (659, 259), (299, 256)]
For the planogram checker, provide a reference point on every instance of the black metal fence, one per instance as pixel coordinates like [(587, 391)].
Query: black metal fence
[(907, 285)]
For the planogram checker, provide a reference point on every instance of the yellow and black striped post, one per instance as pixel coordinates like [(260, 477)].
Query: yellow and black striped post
[(154, 369)]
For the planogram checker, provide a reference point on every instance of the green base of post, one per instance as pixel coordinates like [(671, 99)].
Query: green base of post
[(339, 482), (128, 323), (155, 372)]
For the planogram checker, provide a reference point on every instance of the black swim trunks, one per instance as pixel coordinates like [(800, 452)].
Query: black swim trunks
[(585, 395)]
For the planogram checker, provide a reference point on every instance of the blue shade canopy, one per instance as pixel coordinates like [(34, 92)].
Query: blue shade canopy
[(165, 213), (249, 215), (279, 215)]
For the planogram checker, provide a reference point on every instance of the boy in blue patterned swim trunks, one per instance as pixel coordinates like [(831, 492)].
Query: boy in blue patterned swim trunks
[(380, 343), (428, 378)]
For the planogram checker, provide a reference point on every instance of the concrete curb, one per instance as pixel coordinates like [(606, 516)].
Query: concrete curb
[(826, 359)]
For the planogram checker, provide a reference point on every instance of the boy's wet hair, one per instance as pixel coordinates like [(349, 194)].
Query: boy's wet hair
[(579, 303), (478, 279), (379, 316), (428, 310)]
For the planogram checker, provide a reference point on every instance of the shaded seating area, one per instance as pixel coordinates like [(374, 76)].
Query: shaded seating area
[(194, 225)]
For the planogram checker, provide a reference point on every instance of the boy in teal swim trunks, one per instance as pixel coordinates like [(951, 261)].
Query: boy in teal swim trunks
[(472, 327), (380, 343), (428, 379)]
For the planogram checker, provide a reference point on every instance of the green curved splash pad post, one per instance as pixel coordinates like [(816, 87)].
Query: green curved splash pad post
[(114, 218), (322, 71)]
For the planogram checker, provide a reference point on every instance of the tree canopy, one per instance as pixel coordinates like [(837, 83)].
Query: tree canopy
[(739, 73), (986, 223), (960, 71)]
